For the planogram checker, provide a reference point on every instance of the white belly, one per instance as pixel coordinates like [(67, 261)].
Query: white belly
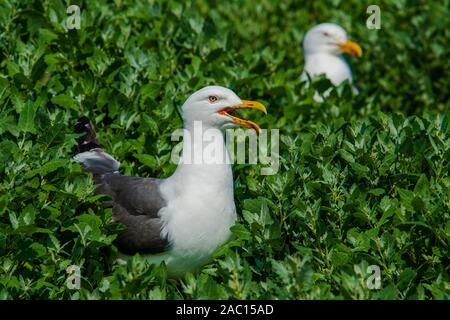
[(196, 233), (198, 217)]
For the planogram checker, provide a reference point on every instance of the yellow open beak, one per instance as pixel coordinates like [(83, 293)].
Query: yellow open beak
[(351, 48), (246, 104)]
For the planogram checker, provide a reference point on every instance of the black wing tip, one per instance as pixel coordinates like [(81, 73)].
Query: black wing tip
[(82, 125), (89, 140)]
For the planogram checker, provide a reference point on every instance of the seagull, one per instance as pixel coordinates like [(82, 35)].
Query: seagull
[(323, 47), (184, 218)]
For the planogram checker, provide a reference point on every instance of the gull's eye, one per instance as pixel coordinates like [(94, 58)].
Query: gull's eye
[(212, 99), (326, 34)]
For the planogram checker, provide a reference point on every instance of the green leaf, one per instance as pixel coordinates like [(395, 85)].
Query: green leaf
[(27, 215), (65, 101), (52, 166), (13, 220), (422, 185), (38, 249), (377, 191), (406, 197), (147, 160), (47, 168), (240, 232), (347, 156), (26, 119), (196, 24), (3, 203), (444, 122), (281, 271)]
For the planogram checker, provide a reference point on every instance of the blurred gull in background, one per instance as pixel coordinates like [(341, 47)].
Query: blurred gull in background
[(323, 47)]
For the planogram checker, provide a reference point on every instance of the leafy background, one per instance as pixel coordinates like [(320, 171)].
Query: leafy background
[(363, 179)]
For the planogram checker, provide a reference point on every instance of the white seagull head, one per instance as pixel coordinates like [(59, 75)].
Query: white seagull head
[(215, 107), (329, 38)]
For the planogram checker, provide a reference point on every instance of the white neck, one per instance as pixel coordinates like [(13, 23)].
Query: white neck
[(205, 159), (200, 208)]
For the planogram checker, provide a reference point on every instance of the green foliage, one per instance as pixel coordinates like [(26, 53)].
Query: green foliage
[(363, 179)]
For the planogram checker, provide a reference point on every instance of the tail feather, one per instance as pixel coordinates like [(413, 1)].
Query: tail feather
[(90, 154)]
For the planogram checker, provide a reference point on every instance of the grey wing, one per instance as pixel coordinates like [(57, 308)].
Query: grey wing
[(139, 196), (136, 202), (142, 233)]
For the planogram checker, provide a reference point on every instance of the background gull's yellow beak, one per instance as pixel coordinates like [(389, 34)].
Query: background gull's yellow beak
[(350, 47)]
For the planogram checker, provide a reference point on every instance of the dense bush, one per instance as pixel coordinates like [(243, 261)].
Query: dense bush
[(363, 179)]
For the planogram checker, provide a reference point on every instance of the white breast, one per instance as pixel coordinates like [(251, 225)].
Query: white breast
[(334, 67), (198, 216)]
